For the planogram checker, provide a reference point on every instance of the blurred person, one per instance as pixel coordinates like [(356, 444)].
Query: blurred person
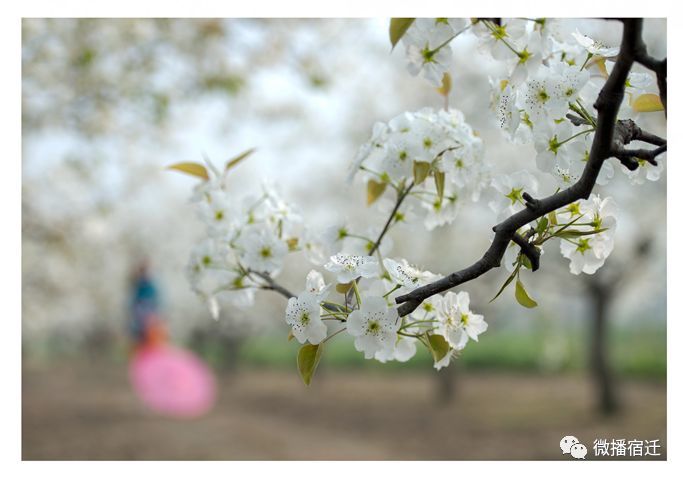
[(169, 380), (146, 325)]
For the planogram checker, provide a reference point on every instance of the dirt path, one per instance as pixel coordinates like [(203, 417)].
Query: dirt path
[(87, 411)]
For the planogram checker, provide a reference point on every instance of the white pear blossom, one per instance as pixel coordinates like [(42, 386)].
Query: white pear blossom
[(205, 257), (333, 236), (529, 59), (595, 47), (374, 326), (313, 247), (503, 103), (427, 50), (349, 267), (315, 284), (303, 315), (578, 152), (500, 41), (261, 249), (645, 171), (539, 97), (428, 309), (406, 275), (457, 322), (510, 189), (403, 349), (441, 212), (374, 147), (587, 253), (215, 211), (551, 146), (569, 81), (445, 361)]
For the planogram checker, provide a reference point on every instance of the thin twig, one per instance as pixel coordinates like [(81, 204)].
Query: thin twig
[(399, 201)]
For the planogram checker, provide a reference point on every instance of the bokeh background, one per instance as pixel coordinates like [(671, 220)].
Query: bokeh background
[(108, 104)]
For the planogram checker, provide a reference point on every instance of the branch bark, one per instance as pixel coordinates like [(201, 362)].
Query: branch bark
[(607, 105)]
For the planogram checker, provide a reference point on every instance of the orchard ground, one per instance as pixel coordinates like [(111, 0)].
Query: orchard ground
[(78, 409)]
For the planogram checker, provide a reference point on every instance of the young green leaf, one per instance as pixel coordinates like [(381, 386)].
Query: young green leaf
[(397, 28), (189, 168), (553, 218), (440, 181), (505, 285), (375, 190), (421, 171), (522, 296), (438, 345), (526, 262), (238, 159), (542, 225), (307, 361), (576, 233)]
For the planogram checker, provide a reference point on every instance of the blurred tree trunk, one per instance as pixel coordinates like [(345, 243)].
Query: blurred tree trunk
[(446, 384), (602, 288), (601, 294), (220, 349)]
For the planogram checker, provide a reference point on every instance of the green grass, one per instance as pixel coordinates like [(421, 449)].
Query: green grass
[(632, 353)]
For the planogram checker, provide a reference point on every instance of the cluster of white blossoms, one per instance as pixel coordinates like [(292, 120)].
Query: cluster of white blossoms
[(550, 74), (585, 229), (245, 244), (413, 148), (366, 310)]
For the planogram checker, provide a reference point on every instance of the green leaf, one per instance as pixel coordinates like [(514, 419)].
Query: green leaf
[(397, 28), (238, 159), (440, 181), (647, 102), (439, 346), (526, 262), (577, 233), (307, 361), (189, 168), (522, 296), (542, 225), (505, 285), (375, 190), (565, 227), (421, 171), (553, 218)]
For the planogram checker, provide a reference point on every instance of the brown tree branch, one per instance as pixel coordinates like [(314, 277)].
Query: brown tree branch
[(607, 131), (529, 250), (273, 285), (632, 156)]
